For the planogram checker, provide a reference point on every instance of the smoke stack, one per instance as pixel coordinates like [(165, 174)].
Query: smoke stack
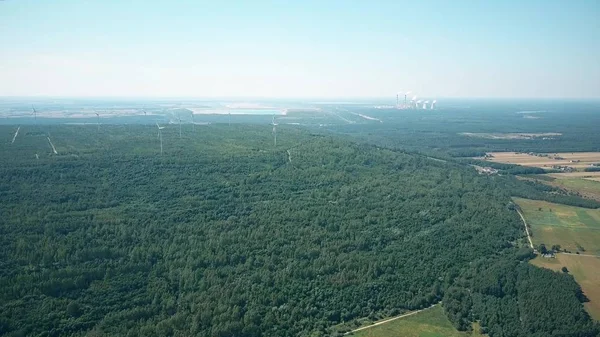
[(433, 104), (425, 105)]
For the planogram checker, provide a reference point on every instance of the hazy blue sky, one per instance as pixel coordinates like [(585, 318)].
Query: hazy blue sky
[(545, 48)]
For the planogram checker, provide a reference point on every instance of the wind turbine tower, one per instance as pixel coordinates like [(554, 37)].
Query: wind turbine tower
[(34, 115), (179, 118), (274, 131), (160, 137), (98, 121)]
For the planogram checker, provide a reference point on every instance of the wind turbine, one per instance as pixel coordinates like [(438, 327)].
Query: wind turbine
[(274, 131), (179, 118), (193, 124), (98, 123), (160, 136), (34, 115)]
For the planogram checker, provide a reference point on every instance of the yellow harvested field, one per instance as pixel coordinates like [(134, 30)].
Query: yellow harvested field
[(512, 135), (577, 160), (585, 175), (585, 270)]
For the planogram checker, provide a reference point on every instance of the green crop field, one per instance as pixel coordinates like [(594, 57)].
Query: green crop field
[(429, 323), (573, 228)]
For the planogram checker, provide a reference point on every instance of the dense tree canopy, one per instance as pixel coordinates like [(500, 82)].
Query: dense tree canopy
[(226, 235)]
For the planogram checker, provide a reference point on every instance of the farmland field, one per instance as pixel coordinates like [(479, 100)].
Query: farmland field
[(429, 323), (582, 175), (574, 228), (587, 185), (510, 135), (578, 160), (588, 188), (586, 271)]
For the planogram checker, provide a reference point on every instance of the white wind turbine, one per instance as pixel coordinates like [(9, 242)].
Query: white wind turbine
[(160, 136), (179, 118), (274, 131), (34, 115)]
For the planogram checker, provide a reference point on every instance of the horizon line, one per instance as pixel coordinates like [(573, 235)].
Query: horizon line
[(391, 97)]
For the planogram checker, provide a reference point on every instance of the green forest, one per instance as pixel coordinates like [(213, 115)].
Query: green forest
[(226, 234)]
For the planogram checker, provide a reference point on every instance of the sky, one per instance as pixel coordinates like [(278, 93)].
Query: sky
[(289, 49)]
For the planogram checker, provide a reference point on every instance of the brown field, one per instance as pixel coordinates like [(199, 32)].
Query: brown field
[(509, 135), (586, 271), (585, 175), (580, 159)]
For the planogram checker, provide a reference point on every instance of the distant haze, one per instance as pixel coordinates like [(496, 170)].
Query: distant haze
[(546, 49)]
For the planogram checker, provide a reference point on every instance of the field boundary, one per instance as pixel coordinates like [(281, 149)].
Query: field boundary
[(390, 319), (526, 229), (574, 254)]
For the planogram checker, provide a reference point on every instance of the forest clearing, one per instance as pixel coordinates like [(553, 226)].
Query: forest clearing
[(428, 323)]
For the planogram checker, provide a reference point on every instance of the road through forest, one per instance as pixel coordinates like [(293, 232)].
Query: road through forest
[(526, 229)]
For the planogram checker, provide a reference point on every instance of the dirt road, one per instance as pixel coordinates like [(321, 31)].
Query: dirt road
[(389, 320), (15, 136), (53, 148), (526, 229)]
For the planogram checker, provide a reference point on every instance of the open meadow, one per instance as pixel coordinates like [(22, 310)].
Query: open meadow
[(585, 270), (576, 160), (573, 228), (429, 323)]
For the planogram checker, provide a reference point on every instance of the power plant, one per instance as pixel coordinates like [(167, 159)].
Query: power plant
[(413, 103)]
